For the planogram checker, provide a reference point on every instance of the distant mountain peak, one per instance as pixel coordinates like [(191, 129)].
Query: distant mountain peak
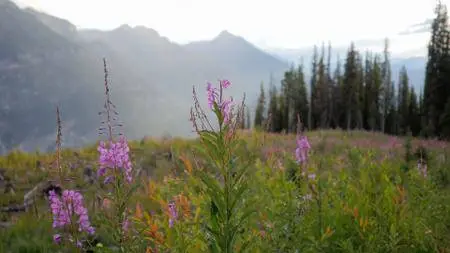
[(225, 35), (146, 30), (124, 27), (139, 30)]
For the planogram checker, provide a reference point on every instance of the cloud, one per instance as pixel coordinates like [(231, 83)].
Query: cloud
[(421, 27)]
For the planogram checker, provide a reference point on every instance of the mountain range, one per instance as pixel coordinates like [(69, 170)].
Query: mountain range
[(46, 61)]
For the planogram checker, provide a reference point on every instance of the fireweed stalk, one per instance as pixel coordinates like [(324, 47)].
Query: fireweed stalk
[(173, 213), (70, 216), (115, 168), (303, 146), (225, 181), (301, 152)]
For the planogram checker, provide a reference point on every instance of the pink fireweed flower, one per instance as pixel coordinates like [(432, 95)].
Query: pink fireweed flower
[(225, 83), (66, 209), (173, 214), (226, 110), (212, 95), (114, 156), (303, 146), (225, 106), (57, 238), (126, 225)]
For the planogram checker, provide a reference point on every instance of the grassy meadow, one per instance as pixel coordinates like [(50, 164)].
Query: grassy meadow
[(359, 192)]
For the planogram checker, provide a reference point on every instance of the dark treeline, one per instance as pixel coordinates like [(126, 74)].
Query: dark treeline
[(360, 93)]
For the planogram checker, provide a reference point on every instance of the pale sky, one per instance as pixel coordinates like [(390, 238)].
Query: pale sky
[(266, 23)]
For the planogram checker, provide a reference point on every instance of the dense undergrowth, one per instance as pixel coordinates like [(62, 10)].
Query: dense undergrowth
[(238, 191)]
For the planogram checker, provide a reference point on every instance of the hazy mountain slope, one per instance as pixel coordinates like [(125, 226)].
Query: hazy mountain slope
[(44, 62), (38, 69)]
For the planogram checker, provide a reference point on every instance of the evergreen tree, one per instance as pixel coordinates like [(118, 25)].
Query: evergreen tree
[(444, 120), (403, 102), (330, 89), (436, 89), (280, 115), (321, 96), (359, 93), (311, 118), (274, 122), (300, 96), (414, 119), (372, 88), (386, 93), (368, 92), (350, 87), (338, 97), (288, 95), (392, 115), (377, 81), (260, 108)]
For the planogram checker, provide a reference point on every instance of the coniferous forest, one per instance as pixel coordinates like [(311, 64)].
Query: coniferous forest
[(360, 93)]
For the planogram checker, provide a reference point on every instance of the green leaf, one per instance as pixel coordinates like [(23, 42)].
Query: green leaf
[(214, 191), (241, 221), (237, 194)]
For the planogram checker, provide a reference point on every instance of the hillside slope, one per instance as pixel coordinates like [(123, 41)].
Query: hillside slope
[(45, 61)]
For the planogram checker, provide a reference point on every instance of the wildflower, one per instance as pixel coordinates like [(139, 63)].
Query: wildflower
[(225, 107), (213, 97), (225, 83), (173, 214), (125, 225), (115, 157), (57, 238), (65, 209), (312, 176), (303, 146)]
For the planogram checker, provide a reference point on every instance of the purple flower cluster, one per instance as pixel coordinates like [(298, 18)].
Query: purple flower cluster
[(115, 156), (303, 146), (173, 214), (213, 97), (67, 208)]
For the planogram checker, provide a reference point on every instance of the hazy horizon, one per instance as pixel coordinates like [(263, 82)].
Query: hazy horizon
[(265, 24)]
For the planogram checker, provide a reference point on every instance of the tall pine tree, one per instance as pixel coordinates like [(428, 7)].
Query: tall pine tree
[(260, 108)]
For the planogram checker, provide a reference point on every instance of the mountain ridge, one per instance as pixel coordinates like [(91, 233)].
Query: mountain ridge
[(47, 62)]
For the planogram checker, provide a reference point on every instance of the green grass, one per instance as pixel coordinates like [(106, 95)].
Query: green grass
[(365, 198)]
